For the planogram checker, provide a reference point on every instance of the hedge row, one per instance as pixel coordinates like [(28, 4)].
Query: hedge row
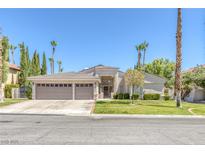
[(125, 96), (8, 88), (151, 96), (136, 96)]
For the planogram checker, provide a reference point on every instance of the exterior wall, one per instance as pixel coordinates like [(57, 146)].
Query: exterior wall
[(13, 73), (33, 91), (196, 95)]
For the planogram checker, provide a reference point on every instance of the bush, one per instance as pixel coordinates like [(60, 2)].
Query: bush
[(115, 96), (135, 96), (166, 91), (28, 91), (120, 96), (126, 96), (166, 97), (8, 89), (151, 96)]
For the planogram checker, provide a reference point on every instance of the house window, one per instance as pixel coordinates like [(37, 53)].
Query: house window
[(38, 85), (43, 85), (56, 85), (69, 85), (60, 85), (47, 85), (65, 85), (52, 85)]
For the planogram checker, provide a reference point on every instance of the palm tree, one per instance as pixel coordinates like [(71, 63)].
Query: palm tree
[(53, 44), (1, 90), (178, 59), (12, 48), (144, 48), (139, 48), (59, 65), (51, 65)]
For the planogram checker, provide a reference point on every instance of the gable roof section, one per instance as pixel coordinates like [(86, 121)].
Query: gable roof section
[(68, 76), (194, 68), (98, 67), (14, 67), (151, 78)]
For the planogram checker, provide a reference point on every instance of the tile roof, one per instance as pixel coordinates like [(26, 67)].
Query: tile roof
[(100, 66), (65, 76), (15, 67), (193, 68)]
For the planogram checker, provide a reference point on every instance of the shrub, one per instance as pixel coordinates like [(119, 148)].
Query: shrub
[(8, 89), (151, 96), (126, 96), (166, 91), (166, 97), (135, 96), (120, 96), (115, 96), (28, 91)]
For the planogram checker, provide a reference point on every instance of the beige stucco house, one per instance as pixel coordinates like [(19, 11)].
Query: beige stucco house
[(13, 74), (97, 82)]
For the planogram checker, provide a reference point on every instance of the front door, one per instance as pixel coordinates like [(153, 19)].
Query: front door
[(106, 92)]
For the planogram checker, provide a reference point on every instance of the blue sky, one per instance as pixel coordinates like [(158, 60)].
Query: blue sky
[(88, 37)]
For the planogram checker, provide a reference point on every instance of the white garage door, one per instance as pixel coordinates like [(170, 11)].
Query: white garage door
[(54, 91), (83, 91)]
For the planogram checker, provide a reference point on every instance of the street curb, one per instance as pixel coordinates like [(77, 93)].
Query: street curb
[(119, 116), (35, 114), (146, 116)]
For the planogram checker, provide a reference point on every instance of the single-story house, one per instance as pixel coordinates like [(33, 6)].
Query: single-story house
[(197, 94), (93, 83), (13, 74)]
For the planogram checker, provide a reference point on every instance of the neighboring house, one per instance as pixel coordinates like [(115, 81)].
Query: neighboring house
[(13, 74), (197, 94), (93, 83)]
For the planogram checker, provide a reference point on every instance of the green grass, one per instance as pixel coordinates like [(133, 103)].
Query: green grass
[(155, 107), (8, 101)]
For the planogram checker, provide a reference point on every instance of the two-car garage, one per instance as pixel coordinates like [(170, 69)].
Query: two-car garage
[(64, 91), (65, 86)]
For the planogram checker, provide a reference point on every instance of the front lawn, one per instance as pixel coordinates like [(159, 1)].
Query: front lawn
[(8, 101), (154, 107)]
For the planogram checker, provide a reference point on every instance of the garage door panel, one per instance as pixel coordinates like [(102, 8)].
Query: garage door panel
[(59, 93), (83, 91)]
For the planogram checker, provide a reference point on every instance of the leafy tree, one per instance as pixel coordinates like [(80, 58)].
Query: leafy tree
[(53, 44), (162, 67), (5, 59), (35, 64), (12, 48), (190, 79), (134, 78), (178, 59), (44, 65), (1, 88)]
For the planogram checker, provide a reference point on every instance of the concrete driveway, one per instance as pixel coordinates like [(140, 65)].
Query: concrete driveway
[(66, 107)]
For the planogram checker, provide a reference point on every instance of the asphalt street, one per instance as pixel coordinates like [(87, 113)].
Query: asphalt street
[(50, 129)]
